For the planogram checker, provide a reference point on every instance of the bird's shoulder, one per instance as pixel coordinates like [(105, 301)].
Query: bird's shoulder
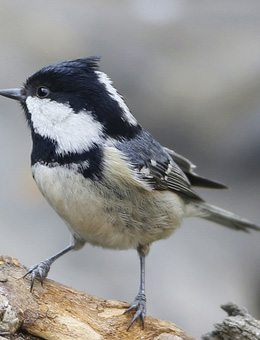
[(153, 165)]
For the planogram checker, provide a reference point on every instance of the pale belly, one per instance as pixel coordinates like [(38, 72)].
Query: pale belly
[(107, 215)]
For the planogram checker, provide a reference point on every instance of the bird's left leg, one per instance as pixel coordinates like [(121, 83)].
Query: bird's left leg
[(139, 303)]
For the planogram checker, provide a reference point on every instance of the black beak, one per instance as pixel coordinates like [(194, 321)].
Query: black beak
[(17, 94)]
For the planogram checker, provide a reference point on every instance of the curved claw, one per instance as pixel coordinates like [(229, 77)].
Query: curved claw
[(140, 305), (39, 271)]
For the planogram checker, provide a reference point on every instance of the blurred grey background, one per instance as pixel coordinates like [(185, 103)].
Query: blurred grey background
[(190, 72)]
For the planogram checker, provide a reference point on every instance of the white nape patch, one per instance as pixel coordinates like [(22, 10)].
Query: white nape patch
[(72, 132), (104, 79)]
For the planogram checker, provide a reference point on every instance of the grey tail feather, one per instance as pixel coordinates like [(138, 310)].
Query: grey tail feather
[(225, 218)]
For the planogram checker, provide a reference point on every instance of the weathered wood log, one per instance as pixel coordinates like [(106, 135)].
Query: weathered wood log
[(238, 325), (56, 312)]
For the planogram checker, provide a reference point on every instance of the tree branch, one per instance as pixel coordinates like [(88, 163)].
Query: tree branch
[(54, 311), (57, 312), (239, 325)]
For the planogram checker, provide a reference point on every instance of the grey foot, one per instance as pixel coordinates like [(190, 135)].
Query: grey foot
[(139, 305), (39, 271)]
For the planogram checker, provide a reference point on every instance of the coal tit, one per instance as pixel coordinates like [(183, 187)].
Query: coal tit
[(111, 182)]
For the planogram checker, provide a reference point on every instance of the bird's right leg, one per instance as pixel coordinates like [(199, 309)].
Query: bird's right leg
[(41, 270)]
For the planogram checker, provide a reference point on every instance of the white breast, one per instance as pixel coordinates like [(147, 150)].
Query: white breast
[(118, 213)]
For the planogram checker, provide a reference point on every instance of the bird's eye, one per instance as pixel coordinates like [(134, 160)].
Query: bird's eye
[(42, 92)]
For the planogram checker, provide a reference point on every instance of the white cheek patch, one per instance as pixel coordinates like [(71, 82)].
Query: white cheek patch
[(72, 132), (104, 79)]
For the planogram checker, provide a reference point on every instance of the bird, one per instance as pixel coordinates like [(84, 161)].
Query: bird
[(114, 185)]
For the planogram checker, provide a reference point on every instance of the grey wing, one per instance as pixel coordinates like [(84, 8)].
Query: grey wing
[(195, 179), (155, 166), (168, 175)]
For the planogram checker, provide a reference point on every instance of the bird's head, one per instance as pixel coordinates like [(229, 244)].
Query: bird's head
[(74, 105)]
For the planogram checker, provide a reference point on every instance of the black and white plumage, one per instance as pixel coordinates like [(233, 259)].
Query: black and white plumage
[(111, 182)]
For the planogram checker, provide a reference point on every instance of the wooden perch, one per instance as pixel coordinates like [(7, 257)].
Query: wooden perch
[(238, 325), (57, 312)]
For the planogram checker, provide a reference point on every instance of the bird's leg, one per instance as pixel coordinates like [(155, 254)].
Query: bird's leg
[(139, 303), (41, 270)]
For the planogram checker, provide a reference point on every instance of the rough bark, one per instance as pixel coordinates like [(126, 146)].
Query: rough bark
[(57, 312), (239, 325)]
